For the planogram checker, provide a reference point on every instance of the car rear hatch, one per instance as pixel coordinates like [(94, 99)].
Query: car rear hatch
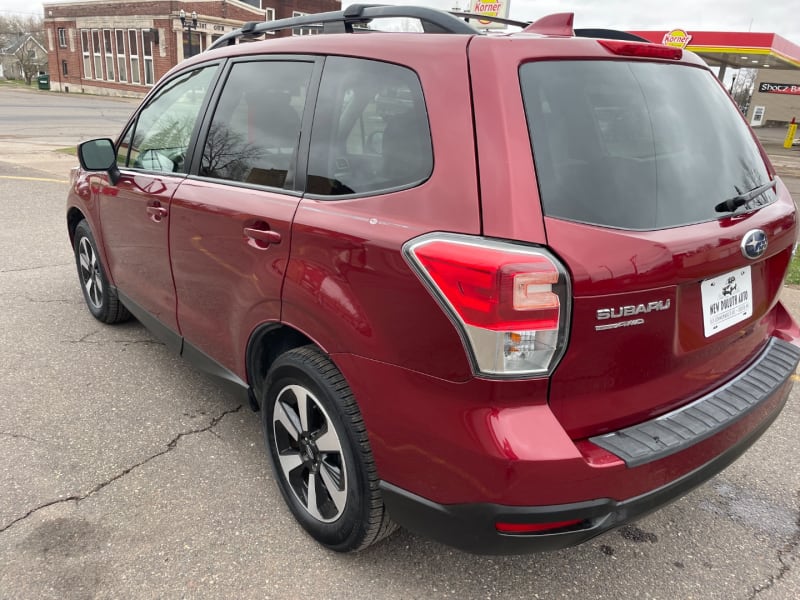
[(639, 163)]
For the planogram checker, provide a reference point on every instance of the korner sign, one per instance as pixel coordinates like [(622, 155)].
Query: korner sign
[(779, 88), (678, 38), (490, 9)]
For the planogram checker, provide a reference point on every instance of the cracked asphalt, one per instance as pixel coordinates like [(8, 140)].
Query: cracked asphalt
[(124, 473)]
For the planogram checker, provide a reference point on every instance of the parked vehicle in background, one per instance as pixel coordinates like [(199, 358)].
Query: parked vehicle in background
[(510, 298)]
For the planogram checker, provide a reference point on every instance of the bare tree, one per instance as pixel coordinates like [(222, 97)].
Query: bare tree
[(14, 31), (742, 88), (28, 62)]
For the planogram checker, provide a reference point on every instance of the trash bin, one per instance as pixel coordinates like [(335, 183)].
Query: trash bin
[(44, 81)]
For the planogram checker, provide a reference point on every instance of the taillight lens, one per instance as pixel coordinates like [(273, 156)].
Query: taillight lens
[(509, 302), (642, 49)]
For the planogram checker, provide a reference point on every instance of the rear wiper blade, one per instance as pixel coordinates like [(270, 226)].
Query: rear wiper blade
[(731, 204)]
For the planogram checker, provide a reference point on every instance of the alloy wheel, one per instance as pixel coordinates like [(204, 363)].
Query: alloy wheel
[(310, 453), (91, 278)]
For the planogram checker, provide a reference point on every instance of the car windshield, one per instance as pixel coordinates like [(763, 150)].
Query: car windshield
[(637, 145)]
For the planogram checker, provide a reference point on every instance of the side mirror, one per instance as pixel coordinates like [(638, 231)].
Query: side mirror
[(99, 155)]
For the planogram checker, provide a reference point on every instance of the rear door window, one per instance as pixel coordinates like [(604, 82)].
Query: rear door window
[(370, 130), (636, 145), (254, 134)]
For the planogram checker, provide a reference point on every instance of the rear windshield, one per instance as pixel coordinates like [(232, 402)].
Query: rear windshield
[(636, 145)]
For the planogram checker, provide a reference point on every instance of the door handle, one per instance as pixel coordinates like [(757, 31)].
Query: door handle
[(156, 213), (261, 238)]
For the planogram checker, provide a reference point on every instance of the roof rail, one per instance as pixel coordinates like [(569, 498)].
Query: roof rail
[(608, 34), (482, 17), (356, 17), (342, 21)]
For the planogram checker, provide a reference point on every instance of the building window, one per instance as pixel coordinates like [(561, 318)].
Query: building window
[(119, 34), (87, 61), (109, 54), (147, 52), (133, 44), (62, 37), (302, 30), (64, 68), (193, 42), (98, 59), (269, 16)]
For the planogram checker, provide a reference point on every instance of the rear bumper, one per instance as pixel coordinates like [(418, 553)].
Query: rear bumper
[(631, 472), (471, 527), (705, 417)]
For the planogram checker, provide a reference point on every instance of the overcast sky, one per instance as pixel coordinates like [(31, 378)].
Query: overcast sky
[(774, 16)]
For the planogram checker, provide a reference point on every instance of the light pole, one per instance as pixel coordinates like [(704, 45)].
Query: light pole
[(189, 25)]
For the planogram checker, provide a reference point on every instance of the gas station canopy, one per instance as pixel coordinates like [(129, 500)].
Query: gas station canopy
[(732, 49)]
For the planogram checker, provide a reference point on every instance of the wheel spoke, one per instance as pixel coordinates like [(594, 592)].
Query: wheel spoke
[(328, 442), (303, 406), (289, 462), (86, 250), (339, 496), (282, 414), (312, 505), (98, 284), (98, 292), (89, 286), (84, 260)]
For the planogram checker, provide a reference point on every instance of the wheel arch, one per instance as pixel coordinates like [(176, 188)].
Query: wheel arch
[(74, 216), (266, 344)]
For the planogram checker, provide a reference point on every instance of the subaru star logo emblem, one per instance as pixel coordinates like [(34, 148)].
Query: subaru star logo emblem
[(754, 244)]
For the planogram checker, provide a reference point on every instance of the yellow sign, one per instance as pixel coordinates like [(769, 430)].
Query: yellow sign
[(677, 38), (498, 8)]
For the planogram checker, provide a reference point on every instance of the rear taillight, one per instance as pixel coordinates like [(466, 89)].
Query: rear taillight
[(509, 302)]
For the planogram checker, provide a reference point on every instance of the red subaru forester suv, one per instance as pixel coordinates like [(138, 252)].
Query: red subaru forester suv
[(509, 291)]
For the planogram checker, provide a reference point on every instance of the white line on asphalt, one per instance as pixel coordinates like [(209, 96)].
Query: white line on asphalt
[(33, 179)]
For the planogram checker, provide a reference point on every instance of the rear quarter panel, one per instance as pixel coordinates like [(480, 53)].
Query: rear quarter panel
[(347, 284)]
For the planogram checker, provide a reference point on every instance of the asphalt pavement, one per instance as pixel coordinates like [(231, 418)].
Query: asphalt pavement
[(124, 473)]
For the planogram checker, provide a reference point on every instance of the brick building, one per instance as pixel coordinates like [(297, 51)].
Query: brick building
[(123, 47)]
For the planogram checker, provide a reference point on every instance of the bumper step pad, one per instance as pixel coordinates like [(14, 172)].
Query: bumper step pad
[(706, 416)]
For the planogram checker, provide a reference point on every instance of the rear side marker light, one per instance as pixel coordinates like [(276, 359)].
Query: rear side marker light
[(535, 527), (641, 49), (509, 302)]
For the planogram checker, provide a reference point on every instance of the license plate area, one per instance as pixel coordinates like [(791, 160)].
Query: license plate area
[(727, 299)]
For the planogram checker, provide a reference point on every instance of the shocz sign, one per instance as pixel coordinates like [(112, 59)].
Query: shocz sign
[(678, 38), (779, 88), (498, 8)]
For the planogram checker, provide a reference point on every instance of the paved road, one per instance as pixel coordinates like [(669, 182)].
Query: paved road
[(125, 473), (34, 123)]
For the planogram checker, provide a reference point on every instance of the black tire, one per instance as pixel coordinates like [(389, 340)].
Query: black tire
[(101, 298), (328, 447)]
